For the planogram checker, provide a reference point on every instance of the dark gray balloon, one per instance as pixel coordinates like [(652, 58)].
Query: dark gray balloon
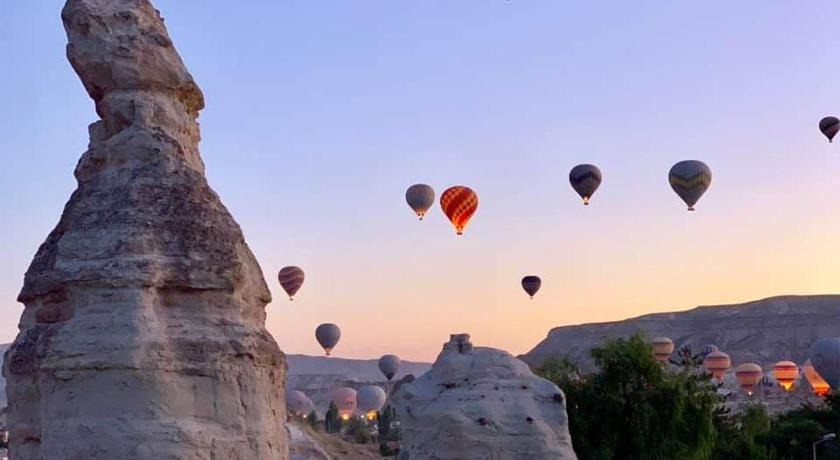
[(829, 127), (327, 335), (708, 348), (767, 381), (389, 365), (420, 197), (531, 284), (825, 357), (690, 179), (585, 179)]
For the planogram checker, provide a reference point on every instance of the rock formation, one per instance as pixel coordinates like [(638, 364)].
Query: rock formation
[(764, 331), (143, 334), (481, 403)]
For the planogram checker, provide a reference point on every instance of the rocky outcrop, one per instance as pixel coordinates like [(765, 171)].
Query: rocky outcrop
[(3, 348), (764, 331), (481, 403), (143, 334)]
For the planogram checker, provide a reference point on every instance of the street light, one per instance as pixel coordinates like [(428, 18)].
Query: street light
[(826, 438)]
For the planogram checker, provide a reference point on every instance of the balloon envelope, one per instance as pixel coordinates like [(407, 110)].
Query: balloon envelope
[(370, 399), (748, 375), (291, 279), (389, 365), (420, 197), (328, 335), (297, 402), (767, 381), (459, 203), (662, 348), (585, 179), (707, 348), (690, 179), (818, 385), (829, 127), (345, 399), (717, 362), (785, 373), (825, 357), (531, 284)]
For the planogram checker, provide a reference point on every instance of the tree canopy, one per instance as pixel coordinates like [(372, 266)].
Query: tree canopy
[(635, 407)]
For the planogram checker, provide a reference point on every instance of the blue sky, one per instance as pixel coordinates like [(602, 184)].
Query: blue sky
[(319, 115)]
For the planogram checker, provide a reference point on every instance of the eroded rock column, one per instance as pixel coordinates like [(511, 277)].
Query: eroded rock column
[(479, 403), (143, 334)]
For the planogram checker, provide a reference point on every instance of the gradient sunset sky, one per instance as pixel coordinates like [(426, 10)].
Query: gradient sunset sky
[(320, 114)]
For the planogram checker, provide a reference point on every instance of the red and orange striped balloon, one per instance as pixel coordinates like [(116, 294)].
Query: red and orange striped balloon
[(459, 203), (786, 373)]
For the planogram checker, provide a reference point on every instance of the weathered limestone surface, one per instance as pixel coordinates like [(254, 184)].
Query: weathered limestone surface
[(143, 334), (480, 403)]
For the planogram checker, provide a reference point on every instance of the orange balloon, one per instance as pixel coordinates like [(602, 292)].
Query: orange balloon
[(662, 348), (785, 372), (459, 203), (748, 375), (717, 362), (818, 384)]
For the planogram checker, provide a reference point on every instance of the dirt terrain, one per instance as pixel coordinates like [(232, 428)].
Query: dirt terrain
[(308, 444)]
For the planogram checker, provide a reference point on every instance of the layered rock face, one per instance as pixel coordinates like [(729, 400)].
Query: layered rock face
[(764, 331), (143, 334), (481, 403)]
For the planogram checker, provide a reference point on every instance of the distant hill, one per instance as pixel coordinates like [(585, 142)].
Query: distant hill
[(763, 331), (362, 370), (318, 375)]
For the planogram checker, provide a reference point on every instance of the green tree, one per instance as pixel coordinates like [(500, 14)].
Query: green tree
[(792, 433), (357, 428), (632, 407), (332, 421), (383, 422), (312, 419), (739, 437)]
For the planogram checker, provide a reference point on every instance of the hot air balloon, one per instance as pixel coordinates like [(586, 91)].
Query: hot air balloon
[(371, 399), (690, 179), (531, 284), (345, 399), (818, 385), (585, 179), (767, 381), (748, 375), (389, 365), (420, 197), (459, 203), (291, 279), (662, 348), (297, 403), (825, 357), (717, 362), (327, 335), (829, 127), (708, 348), (785, 373)]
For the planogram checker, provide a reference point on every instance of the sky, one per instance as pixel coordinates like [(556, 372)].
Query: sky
[(320, 114)]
